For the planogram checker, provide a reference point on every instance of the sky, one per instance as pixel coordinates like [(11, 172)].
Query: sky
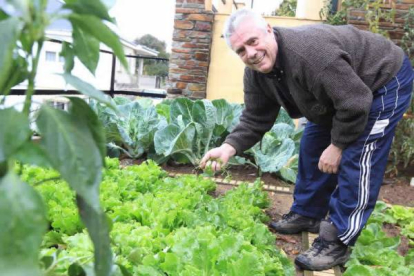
[(136, 18)]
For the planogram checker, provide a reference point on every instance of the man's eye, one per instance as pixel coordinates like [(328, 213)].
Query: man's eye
[(241, 53)]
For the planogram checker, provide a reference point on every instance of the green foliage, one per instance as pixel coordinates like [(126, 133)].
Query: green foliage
[(181, 128), (163, 225), (23, 224), (131, 128), (159, 68), (277, 151), (287, 8), (184, 130), (402, 150), (408, 37), (375, 253), (374, 13), (152, 42), (72, 142), (154, 67)]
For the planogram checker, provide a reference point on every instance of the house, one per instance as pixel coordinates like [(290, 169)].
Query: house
[(51, 65)]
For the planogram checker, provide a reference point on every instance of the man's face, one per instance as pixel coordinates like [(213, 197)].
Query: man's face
[(256, 48)]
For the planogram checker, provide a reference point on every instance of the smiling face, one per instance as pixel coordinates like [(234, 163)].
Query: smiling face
[(256, 47)]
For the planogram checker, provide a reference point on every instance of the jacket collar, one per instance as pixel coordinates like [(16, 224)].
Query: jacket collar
[(277, 67)]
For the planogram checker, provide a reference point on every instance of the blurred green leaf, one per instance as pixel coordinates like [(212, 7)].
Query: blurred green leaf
[(9, 33), (15, 131), (90, 7), (76, 270), (32, 154), (3, 15), (72, 151), (86, 49), (40, 5), (96, 28), (98, 228), (88, 90), (80, 109), (22, 226), (18, 73), (21, 6), (69, 54)]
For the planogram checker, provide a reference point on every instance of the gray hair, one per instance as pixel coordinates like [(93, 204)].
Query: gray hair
[(238, 17)]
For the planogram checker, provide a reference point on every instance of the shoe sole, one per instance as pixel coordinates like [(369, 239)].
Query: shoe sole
[(314, 230), (339, 261)]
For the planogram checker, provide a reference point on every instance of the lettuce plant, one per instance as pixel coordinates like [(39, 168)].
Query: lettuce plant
[(375, 253), (163, 225)]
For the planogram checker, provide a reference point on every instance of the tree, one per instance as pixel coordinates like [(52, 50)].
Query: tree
[(154, 67), (287, 8)]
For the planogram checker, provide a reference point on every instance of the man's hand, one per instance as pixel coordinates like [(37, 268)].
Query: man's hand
[(222, 153), (330, 159)]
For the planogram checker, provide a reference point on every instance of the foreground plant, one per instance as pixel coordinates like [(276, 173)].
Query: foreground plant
[(73, 142)]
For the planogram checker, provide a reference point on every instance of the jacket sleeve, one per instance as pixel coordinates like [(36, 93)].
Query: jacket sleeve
[(257, 118), (351, 99)]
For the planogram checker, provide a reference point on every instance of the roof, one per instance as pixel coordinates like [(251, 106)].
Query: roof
[(62, 29), (66, 35)]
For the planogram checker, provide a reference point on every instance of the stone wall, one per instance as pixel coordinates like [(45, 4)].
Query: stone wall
[(190, 57), (395, 30)]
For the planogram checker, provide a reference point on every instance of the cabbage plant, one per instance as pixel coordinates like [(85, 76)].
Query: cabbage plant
[(194, 127), (131, 129), (278, 150)]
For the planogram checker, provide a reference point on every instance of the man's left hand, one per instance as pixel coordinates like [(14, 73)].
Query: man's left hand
[(330, 159)]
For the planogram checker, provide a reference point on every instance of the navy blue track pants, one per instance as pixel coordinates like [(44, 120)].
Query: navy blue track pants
[(350, 196)]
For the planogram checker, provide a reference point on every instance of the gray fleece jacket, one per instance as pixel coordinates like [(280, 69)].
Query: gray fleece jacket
[(330, 74)]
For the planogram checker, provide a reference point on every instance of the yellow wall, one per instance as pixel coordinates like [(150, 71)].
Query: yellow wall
[(309, 9), (225, 75)]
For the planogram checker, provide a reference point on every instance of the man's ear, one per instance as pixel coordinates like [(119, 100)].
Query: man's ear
[(269, 28)]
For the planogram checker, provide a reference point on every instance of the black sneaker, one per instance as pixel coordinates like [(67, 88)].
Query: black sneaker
[(293, 223), (326, 252)]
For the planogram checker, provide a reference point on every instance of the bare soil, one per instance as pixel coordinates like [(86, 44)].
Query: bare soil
[(395, 190)]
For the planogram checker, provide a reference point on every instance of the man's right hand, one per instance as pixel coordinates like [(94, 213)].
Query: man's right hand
[(212, 157)]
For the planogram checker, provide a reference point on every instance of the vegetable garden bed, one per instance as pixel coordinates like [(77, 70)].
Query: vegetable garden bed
[(161, 226), (188, 225)]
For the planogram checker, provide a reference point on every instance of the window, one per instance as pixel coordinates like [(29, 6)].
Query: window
[(58, 105), (50, 56)]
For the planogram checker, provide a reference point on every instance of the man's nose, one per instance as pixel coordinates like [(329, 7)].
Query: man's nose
[(251, 52)]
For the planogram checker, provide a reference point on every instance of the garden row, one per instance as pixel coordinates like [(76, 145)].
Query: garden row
[(160, 226), (183, 130), (173, 226), (376, 253)]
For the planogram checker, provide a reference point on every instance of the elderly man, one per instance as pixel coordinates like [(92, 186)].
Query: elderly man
[(353, 86)]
